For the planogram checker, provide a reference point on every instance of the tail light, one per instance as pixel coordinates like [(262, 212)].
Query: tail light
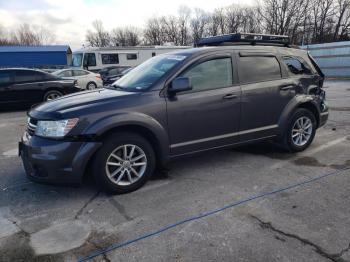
[(98, 76)]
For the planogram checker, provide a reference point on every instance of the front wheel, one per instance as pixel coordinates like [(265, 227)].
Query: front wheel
[(124, 163), (300, 131)]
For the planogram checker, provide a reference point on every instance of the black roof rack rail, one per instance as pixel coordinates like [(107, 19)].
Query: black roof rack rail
[(246, 38)]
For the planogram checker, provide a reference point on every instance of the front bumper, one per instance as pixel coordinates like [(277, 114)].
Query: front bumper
[(53, 161)]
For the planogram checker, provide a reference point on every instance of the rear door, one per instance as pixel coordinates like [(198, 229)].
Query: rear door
[(265, 94), (6, 91), (207, 116)]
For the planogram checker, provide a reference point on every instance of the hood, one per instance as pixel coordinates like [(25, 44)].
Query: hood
[(56, 108)]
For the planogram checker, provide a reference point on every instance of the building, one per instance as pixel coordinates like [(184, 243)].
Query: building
[(332, 58), (48, 56)]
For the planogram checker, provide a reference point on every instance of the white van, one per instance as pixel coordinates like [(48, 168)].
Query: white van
[(95, 59)]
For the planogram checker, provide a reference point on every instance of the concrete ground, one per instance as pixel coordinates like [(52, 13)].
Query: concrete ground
[(306, 223)]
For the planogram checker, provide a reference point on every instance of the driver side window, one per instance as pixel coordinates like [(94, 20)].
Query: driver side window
[(210, 74)]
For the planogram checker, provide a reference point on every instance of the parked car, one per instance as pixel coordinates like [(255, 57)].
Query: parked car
[(111, 79), (86, 79), (29, 86), (111, 74), (174, 105)]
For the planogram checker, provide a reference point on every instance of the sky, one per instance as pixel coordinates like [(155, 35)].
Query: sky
[(69, 20)]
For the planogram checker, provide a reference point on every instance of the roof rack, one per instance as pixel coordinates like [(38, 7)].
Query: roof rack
[(246, 38)]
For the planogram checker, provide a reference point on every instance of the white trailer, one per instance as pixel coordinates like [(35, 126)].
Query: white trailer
[(95, 59)]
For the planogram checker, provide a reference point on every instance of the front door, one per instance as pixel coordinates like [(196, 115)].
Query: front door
[(208, 115)]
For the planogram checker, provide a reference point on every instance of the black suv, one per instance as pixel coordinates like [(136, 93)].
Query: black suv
[(173, 105), (29, 86)]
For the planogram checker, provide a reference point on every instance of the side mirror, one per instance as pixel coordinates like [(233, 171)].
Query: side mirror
[(180, 84)]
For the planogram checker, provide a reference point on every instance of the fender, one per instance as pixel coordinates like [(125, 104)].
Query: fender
[(124, 119), (296, 102)]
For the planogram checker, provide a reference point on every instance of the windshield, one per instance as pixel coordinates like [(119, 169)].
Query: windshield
[(77, 59), (148, 73)]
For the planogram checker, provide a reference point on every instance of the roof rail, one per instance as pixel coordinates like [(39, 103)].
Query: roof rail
[(247, 38)]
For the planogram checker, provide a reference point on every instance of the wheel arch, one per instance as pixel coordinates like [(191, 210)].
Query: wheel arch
[(306, 102), (140, 124)]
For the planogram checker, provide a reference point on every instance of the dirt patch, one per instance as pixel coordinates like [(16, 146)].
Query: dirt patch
[(308, 161), (341, 166), (16, 248)]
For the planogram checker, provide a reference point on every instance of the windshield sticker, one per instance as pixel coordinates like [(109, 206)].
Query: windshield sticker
[(176, 57)]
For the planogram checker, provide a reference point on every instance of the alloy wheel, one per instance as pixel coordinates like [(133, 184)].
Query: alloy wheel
[(126, 165), (52, 96), (302, 131)]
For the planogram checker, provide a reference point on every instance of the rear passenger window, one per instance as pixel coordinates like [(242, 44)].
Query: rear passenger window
[(258, 68), (216, 73), (67, 73), (25, 76), (296, 66), (80, 73)]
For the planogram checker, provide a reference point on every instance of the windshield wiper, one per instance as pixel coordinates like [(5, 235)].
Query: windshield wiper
[(117, 87)]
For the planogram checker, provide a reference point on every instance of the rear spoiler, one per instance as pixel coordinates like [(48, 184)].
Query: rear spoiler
[(318, 69)]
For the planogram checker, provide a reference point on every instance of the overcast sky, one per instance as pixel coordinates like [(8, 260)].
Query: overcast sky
[(70, 19)]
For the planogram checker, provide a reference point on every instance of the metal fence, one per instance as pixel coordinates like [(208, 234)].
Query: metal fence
[(332, 58)]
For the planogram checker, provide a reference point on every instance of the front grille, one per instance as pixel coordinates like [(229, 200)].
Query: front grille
[(31, 126)]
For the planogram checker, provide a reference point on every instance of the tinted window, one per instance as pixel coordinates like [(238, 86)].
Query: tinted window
[(25, 76), (5, 77), (66, 73), (258, 68), (211, 74), (110, 59), (149, 72), (131, 56), (40, 76), (89, 59), (80, 73), (296, 67)]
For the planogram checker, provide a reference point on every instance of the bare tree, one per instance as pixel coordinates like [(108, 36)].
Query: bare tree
[(152, 34), (198, 24), (342, 17), (99, 37), (183, 25), (128, 36)]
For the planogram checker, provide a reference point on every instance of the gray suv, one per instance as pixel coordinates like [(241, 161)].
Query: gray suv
[(225, 94)]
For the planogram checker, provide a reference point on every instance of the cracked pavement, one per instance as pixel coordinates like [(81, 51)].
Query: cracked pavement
[(306, 223)]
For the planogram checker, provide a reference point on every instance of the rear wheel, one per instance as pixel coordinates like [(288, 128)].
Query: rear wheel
[(51, 95), (91, 86), (300, 131), (124, 163)]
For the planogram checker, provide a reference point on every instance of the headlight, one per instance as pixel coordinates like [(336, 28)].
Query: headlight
[(58, 128)]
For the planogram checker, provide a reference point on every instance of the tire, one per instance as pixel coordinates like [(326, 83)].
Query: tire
[(301, 130), (115, 178), (51, 95), (91, 86)]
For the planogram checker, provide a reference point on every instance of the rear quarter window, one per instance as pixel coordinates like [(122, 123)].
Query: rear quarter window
[(297, 66), (254, 69)]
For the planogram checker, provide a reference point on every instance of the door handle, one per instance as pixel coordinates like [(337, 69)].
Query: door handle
[(230, 96), (287, 87)]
